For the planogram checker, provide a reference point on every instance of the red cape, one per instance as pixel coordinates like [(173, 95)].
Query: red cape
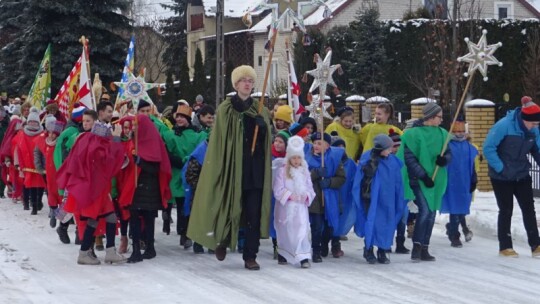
[(5, 147)]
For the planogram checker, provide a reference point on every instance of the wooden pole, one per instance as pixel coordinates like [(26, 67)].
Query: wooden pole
[(266, 75), (447, 140)]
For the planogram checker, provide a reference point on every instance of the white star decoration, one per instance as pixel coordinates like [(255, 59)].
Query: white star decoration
[(480, 56), (323, 74), (315, 109), (135, 89)]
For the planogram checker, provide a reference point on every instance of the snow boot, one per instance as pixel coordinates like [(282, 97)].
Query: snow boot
[(62, 234), (467, 233), (536, 252), (281, 260), (26, 205), (324, 249), (508, 253), (52, 218), (167, 226), (86, 258), (123, 244), (316, 257), (136, 254), (149, 253), (400, 245), (336, 250), (305, 264), (99, 243), (416, 252), (456, 242), (188, 243), (34, 208), (425, 256), (369, 255), (112, 257), (382, 257), (197, 248), (252, 265)]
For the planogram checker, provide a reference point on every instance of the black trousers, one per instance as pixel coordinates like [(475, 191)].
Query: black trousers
[(504, 193), (251, 215), (149, 218)]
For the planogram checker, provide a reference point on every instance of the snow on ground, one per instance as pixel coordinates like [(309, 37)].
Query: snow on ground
[(36, 268)]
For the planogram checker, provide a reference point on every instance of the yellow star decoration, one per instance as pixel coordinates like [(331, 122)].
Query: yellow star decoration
[(480, 56)]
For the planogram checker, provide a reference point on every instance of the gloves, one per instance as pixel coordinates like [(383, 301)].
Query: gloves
[(428, 182), (320, 172), (325, 183), (473, 187), (259, 121), (441, 161)]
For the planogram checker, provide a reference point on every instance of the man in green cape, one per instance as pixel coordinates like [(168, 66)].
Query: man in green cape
[(235, 183), (420, 150)]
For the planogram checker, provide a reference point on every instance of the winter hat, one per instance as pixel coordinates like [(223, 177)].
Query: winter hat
[(325, 136), (285, 135), (242, 71), (101, 129), (33, 115), (336, 140), (382, 142), (56, 127), (309, 120), (142, 104), (77, 113), (182, 102), (530, 111), (16, 110), (430, 110), (49, 122), (284, 113), (295, 147), (343, 110), (199, 98), (184, 111), (298, 129), (396, 138)]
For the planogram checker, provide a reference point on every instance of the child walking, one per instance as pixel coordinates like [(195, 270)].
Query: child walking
[(294, 193)]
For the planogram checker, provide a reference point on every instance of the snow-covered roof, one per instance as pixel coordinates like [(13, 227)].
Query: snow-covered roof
[(422, 100), (262, 26), (259, 94), (355, 98), (317, 16), (377, 99), (233, 8), (479, 103), (326, 97)]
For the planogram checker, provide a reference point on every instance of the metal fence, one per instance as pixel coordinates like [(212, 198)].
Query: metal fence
[(535, 174)]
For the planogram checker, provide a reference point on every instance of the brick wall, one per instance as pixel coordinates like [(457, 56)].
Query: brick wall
[(480, 120), (357, 107)]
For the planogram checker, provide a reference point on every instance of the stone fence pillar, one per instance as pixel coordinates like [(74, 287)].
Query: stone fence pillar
[(417, 105)]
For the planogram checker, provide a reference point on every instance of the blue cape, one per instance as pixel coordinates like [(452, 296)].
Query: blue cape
[(457, 198), (197, 154), (387, 202), (332, 160), (348, 209)]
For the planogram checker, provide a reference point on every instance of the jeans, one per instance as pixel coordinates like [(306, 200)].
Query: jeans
[(504, 193), (453, 227), (425, 219), (400, 229), (321, 233)]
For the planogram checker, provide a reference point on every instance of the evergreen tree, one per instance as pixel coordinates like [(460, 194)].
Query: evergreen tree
[(170, 93), (368, 59), (185, 83), (199, 84), (340, 40), (303, 53), (174, 30), (62, 24)]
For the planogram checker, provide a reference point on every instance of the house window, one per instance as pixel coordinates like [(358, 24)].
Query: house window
[(504, 10)]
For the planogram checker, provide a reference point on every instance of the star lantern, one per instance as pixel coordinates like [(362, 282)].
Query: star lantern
[(316, 110), (480, 56), (323, 73), (135, 89)]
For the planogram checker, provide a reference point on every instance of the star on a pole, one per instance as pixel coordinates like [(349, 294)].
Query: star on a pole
[(135, 89), (315, 109), (480, 56), (323, 73)]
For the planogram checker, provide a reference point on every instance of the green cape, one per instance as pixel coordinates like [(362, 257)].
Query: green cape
[(425, 143), (217, 205)]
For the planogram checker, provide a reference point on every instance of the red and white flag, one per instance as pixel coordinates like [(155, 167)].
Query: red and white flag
[(294, 92), (68, 93), (86, 98)]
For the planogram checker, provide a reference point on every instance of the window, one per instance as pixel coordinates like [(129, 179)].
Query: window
[(504, 9)]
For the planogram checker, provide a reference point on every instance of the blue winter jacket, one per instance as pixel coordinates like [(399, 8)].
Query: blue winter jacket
[(507, 145)]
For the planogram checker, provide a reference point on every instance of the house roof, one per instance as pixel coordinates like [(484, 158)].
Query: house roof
[(533, 7), (233, 8)]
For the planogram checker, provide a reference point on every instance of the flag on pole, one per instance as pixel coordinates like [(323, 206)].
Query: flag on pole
[(68, 93), (294, 92), (85, 95), (129, 65), (40, 92)]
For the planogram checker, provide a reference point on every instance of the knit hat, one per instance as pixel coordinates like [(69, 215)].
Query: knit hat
[(199, 98), (49, 122), (325, 136), (382, 142), (284, 113), (336, 140), (77, 112), (295, 147), (56, 127), (101, 129), (530, 111), (142, 104), (16, 110), (241, 72), (33, 115), (182, 102), (298, 129), (309, 120), (184, 111), (430, 110), (343, 110), (285, 135), (395, 137)]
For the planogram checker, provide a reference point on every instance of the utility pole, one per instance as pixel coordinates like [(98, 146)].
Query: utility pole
[(220, 52), (453, 81)]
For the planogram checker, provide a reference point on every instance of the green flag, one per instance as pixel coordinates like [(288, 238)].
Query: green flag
[(40, 92)]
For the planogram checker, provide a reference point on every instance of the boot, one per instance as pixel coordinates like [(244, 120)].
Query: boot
[(336, 251), (197, 248), (40, 205), (456, 242), (425, 256), (136, 254), (77, 240), (467, 233), (251, 265), (166, 226), (324, 249), (221, 253), (62, 234), (149, 253), (26, 205), (86, 258), (34, 208), (123, 244), (111, 257), (281, 260), (416, 252), (99, 243), (410, 230), (448, 231), (52, 218), (382, 257), (317, 258), (188, 243), (400, 245), (369, 255), (305, 263)]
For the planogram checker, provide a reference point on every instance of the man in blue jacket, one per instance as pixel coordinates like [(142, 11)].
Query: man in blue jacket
[(506, 148)]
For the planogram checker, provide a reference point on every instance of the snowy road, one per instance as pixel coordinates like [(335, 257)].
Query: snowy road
[(36, 268)]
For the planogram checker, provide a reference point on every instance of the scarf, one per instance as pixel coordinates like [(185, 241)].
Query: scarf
[(277, 154), (32, 132)]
